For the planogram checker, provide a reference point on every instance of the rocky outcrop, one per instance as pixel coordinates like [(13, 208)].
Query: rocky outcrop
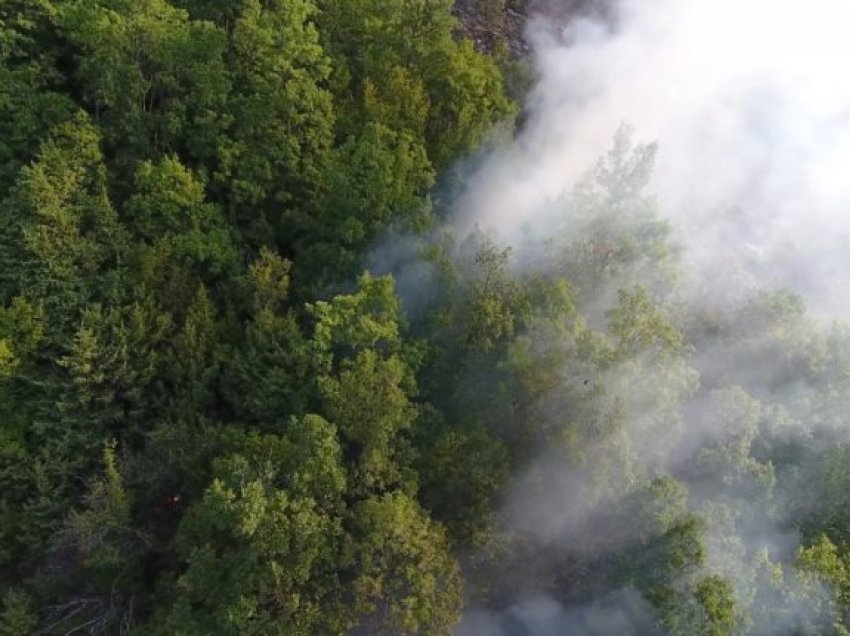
[(491, 22), (494, 23)]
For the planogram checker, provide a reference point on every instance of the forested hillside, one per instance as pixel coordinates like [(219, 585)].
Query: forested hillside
[(219, 414)]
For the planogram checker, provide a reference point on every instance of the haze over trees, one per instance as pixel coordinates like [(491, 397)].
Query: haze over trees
[(214, 419)]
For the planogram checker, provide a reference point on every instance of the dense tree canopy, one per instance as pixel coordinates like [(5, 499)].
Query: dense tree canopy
[(214, 420)]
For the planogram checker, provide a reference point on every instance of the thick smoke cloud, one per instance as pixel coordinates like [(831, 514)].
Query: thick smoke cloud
[(749, 105)]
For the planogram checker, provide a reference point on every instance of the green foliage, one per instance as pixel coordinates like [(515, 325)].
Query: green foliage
[(182, 184), (717, 601), (256, 558), (193, 363), (281, 117), (462, 473), (106, 387), (366, 379), (60, 233), (155, 79), (400, 102), (821, 564), (372, 41), (350, 323), (638, 326), (107, 514), (494, 299), (375, 183), (267, 375), (21, 331), (209, 424), (169, 215), (830, 475), (18, 617), (368, 401), (405, 581), (30, 105)]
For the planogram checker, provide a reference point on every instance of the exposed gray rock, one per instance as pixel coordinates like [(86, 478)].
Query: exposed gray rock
[(491, 22)]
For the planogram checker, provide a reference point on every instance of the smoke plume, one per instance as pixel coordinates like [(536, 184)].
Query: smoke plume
[(749, 108), (747, 102)]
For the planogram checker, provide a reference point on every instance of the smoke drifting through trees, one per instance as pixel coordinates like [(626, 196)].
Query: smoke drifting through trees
[(598, 413), (746, 102), (752, 118)]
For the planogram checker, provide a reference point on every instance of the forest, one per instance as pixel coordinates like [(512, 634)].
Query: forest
[(254, 381)]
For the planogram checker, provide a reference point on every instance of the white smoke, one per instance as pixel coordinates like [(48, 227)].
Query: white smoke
[(749, 104), (750, 107)]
